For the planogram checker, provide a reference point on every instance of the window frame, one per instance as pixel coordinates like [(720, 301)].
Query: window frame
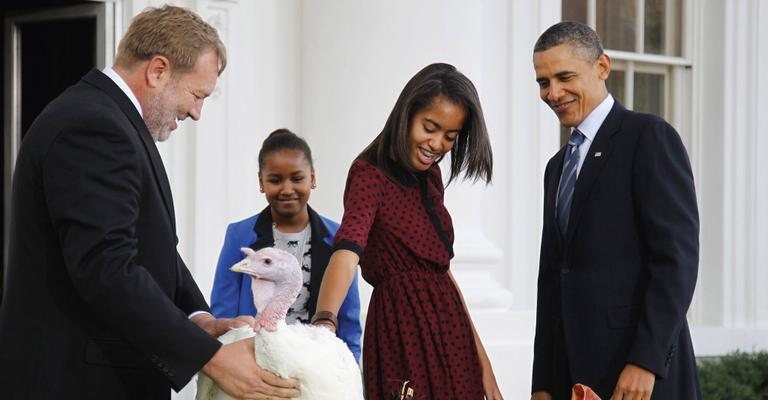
[(678, 87)]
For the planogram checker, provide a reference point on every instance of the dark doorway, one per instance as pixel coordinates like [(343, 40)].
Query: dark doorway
[(70, 53), (47, 46)]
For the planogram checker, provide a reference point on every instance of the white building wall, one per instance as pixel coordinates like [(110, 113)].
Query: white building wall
[(331, 71)]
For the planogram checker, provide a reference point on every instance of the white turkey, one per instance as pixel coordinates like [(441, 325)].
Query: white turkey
[(322, 363)]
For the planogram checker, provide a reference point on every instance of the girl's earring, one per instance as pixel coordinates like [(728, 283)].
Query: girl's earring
[(261, 189), (314, 186)]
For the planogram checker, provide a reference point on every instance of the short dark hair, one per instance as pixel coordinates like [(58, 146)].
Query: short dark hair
[(584, 40), (472, 151), (283, 139)]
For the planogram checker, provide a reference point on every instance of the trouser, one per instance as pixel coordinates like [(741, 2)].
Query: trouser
[(562, 382)]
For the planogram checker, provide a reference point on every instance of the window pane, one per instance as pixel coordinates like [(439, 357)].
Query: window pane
[(615, 84), (654, 26), (574, 10), (663, 22), (649, 93), (616, 24)]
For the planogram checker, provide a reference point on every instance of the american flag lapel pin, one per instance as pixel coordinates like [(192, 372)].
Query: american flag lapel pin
[(598, 154)]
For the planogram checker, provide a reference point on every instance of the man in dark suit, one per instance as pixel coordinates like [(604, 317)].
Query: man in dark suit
[(98, 304), (619, 250)]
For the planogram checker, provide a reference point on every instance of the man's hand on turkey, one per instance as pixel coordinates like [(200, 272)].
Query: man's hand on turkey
[(219, 326), (235, 371)]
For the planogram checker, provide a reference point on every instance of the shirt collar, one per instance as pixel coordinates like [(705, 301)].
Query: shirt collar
[(595, 119), (108, 71)]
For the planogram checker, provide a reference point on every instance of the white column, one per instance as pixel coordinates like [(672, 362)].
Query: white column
[(760, 48), (739, 158), (732, 184), (534, 138), (707, 157), (745, 181)]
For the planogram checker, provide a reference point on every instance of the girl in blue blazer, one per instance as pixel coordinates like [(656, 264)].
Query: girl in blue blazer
[(286, 177)]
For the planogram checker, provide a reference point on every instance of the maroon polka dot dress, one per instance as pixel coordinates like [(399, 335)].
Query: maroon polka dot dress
[(417, 330)]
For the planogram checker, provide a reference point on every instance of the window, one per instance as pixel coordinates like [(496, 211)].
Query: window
[(644, 39)]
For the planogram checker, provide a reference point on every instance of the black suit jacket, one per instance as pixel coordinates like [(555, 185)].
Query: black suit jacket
[(97, 298), (620, 281)]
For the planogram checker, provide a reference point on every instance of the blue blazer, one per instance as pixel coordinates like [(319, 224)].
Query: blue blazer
[(231, 295)]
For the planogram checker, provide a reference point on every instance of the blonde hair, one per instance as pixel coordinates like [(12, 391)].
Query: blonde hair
[(173, 32)]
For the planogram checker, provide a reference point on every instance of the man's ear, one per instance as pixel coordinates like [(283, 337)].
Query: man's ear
[(158, 71), (604, 66)]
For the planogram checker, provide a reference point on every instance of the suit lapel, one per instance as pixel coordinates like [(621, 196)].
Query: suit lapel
[(595, 159), (103, 82)]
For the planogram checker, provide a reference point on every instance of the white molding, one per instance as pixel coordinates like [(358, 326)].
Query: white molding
[(711, 340), (648, 58)]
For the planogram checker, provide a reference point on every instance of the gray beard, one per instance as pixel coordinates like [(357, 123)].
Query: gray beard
[(160, 114)]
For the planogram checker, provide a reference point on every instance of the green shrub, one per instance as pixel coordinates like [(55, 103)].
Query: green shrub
[(736, 376)]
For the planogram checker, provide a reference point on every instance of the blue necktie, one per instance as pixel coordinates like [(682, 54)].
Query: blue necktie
[(568, 179)]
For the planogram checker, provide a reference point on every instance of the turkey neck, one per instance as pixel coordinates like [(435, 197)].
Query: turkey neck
[(276, 297)]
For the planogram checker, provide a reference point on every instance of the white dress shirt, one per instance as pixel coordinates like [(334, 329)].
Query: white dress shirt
[(124, 87), (590, 126)]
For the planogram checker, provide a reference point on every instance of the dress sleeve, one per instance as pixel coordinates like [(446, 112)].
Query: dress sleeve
[(362, 198)]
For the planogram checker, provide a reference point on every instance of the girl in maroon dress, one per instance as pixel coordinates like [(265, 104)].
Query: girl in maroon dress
[(419, 339)]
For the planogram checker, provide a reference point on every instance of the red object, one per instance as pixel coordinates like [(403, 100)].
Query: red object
[(583, 392)]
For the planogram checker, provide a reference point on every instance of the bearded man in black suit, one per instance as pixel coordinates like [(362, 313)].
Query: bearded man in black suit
[(97, 303)]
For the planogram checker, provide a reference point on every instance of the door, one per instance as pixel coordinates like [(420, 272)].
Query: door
[(45, 50)]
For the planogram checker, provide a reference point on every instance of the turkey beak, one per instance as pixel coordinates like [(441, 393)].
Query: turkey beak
[(243, 267)]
